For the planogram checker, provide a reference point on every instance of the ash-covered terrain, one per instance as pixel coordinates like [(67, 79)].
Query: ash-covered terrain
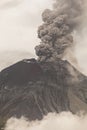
[(33, 89)]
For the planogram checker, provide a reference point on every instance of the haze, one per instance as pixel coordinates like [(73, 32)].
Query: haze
[(19, 20)]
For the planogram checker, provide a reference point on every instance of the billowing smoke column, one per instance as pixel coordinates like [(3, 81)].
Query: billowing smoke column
[(56, 31)]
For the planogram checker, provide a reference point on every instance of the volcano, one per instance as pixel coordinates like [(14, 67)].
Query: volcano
[(33, 89)]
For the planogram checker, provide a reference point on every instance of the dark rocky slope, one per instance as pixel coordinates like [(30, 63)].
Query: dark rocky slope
[(33, 89)]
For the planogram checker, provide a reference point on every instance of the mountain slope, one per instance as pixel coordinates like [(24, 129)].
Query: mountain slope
[(32, 89), (9, 57)]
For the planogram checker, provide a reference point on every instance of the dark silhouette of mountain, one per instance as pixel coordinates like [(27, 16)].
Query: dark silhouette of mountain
[(32, 89), (9, 57)]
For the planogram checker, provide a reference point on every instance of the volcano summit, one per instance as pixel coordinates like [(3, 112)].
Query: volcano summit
[(33, 89)]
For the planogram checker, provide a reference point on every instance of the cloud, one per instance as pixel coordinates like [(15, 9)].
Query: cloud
[(56, 31), (19, 20), (62, 121), (18, 23)]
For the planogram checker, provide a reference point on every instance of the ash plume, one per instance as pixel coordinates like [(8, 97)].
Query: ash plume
[(56, 33)]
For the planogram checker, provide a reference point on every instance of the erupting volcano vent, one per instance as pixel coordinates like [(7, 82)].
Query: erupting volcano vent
[(56, 31), (33, 88)]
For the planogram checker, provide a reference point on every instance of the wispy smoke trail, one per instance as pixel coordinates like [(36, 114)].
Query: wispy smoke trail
[(56, 31), (62, 121)]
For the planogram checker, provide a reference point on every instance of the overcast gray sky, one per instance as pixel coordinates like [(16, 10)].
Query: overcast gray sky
[(19, 20)]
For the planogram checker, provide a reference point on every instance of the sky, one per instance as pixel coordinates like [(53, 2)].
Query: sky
[(19, 21)]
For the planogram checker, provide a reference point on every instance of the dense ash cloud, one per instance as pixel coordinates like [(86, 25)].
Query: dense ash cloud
[(56, 31)]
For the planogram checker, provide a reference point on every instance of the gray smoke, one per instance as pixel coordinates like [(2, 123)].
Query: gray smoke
[(56, 33)]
